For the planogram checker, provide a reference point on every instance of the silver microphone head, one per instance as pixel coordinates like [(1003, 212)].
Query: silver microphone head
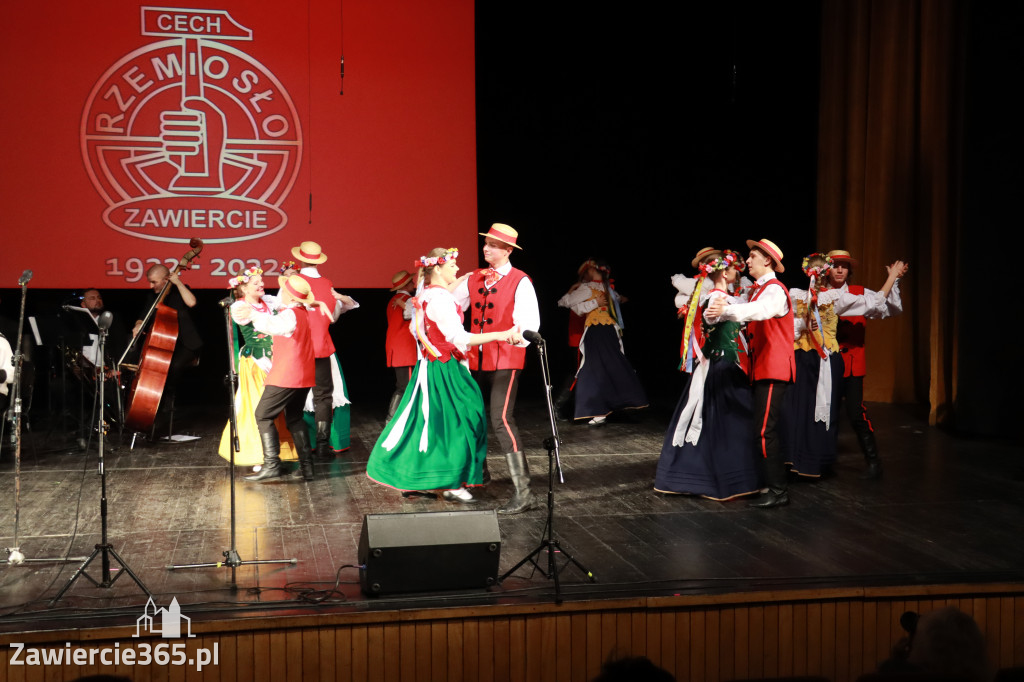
[(106, 319)]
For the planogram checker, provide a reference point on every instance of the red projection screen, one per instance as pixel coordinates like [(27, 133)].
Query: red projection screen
[(133, 128)]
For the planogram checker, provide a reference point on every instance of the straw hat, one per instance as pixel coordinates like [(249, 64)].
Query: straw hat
[(773, 252), (309, 252), (297, 288), (400, 279), (503, 233), (841, 256), (704, 253)]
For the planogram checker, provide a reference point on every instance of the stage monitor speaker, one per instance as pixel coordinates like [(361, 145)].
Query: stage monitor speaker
[(428, 552)]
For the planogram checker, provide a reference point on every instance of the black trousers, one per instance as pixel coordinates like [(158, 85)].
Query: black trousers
[(853, 394), (323, 392), (502, 386), (275, 400), (768, 397)]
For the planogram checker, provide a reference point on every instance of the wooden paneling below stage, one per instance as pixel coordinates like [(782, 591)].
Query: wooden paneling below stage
[(835, 633)]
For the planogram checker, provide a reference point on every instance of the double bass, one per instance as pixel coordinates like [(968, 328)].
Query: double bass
[(155, 358)]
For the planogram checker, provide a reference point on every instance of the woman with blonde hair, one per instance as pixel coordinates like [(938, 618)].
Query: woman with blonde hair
[(438, 436)]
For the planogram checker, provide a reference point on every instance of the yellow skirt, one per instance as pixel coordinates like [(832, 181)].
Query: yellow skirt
[(250, 388)]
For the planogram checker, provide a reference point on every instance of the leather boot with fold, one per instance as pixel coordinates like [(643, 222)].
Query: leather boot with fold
[(305, 453), (520, 473), (869, 447), (271, 458), (323, 442), (393, 406), (486, 473)]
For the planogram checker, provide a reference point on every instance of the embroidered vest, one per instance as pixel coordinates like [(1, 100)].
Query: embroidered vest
[(850, 336), (294, 365), (319, 326), (399, 345), (490, 310), (771, 343)]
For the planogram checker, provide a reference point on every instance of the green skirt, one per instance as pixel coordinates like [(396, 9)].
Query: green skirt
[(438, 437)]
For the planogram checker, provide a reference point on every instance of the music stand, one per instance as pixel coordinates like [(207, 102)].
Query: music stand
[(104, 550), (548, 542), (231, 558)]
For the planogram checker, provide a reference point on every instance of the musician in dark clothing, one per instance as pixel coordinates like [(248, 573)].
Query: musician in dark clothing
[(189, 343)]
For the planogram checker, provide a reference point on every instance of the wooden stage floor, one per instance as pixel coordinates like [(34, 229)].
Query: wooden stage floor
[(947, 510)]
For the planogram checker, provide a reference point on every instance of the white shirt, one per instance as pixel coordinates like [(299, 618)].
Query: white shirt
[(6, 363), (771, 302), (441, 309), (525, 311)]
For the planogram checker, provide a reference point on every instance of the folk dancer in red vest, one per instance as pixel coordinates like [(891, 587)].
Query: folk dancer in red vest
[(330, 403), (769, 319), (501, 297), (399, 345), (576, 327), (850, 335), (606, 381), (810, 418), (438, 438), (291, 376)]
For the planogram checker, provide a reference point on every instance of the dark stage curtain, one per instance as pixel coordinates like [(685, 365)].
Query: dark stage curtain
[(890, 141)]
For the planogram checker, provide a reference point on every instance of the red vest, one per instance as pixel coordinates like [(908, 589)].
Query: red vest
[(491, 311), (294, 365), (850, 335), (438, 341), (400, 346), (319, 326), (576, 327), (771, 342)]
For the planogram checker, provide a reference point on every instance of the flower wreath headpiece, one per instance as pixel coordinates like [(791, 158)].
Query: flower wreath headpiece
[(288, 265), (244, 277), (817, 270), (727, 259), (424, 262)]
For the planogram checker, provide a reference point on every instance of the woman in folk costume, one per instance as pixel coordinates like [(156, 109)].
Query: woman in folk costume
[(809, 422), (689, 297), (438, 437), (252, 362), (605, 381), (707, 449)]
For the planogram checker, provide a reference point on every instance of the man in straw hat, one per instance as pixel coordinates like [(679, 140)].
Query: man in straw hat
[(850, 335), (500, 297), (291, 376), (400, 345), (769, 319), (310, 255)]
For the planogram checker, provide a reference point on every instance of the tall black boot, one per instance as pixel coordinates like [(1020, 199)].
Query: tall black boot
[(323, 442), (869, 447), (520, 473), (776, 481), (305, 453), (271, 457), (396, 399)]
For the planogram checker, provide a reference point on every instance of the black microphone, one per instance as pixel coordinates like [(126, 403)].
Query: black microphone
[(25, 277), (225, 302), (532, 336), (106, 319)]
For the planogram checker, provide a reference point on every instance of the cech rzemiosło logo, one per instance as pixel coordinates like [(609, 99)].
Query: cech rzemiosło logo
[(189, 136)]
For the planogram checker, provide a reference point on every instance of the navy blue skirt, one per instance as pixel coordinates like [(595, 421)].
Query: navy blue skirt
[(723, 463), (809, 446), (605, 381)]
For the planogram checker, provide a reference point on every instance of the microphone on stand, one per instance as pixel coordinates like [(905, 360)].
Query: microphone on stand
[(25, 277), (226, 301), (532, 336), (105, 320)]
